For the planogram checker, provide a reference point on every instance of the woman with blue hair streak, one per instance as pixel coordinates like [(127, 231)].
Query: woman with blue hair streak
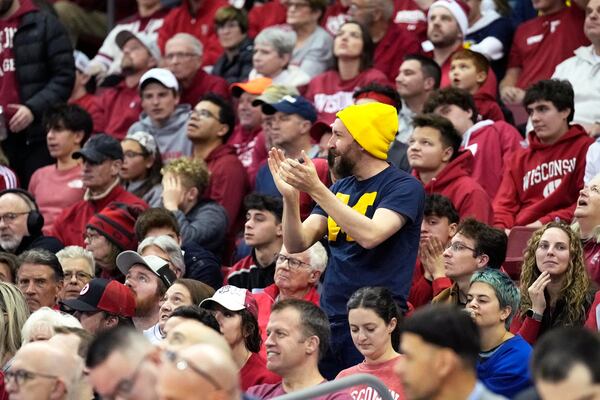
[(493, 301)]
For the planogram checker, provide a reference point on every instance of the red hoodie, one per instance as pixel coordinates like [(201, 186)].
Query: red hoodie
[(455, 182), (492, 145), (542, 182), (487, 105), (263, 16), (201, 25)]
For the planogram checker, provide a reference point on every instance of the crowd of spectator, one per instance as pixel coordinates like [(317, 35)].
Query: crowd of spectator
[(249, 198)]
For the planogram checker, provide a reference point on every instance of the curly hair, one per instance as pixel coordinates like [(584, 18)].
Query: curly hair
[(193, 172), (576, 285)]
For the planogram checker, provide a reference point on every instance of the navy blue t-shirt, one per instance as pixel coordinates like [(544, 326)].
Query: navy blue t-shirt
[(391, 263)]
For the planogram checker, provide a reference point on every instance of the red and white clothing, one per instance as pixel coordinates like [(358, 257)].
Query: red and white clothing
[(383, 371), (455, 182), (255, 372), (594, 315), (542, 182), (267, 391), (55, 190), (262, 16), (9, 93), (109, 55), (335, 16), (250, 147), (118, 108), (330, 94), (8, 179), (542, 43), (411, 18), (492, 144), (391, 49), (201, 25)]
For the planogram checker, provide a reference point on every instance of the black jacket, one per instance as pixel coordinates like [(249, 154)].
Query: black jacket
[(44, 67), (238, 69), (202, 265), (38, 241)]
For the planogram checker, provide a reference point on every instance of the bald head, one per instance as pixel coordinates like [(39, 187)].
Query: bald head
[(209, 370), (191, 332), (57, 371)]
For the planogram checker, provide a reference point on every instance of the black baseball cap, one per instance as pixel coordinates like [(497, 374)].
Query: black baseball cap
[(99, 148)]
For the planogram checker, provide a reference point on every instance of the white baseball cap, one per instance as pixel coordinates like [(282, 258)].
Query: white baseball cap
[(157, 265), (163, 76)]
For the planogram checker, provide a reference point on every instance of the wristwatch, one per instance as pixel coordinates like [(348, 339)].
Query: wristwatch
[(533, 315)]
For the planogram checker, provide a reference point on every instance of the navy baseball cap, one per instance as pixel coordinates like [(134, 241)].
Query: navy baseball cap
[(292, 105), (99, 148)]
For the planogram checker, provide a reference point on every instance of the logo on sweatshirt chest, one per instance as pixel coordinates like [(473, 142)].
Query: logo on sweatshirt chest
[(550, 173)]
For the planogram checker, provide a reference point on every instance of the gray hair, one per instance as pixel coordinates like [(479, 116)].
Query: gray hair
[(47, 318), (282, 41), (190, 40), (169, 246), (74, 253), (318, 256)]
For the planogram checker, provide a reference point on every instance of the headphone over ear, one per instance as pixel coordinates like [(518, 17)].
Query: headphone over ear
[(35, 220)]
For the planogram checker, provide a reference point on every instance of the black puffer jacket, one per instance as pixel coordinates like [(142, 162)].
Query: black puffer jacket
[(44, 66)]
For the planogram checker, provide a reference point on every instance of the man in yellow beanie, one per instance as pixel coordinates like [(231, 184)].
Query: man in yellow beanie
[(372, 217)]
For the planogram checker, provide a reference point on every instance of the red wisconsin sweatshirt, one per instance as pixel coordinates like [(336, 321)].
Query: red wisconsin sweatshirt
[(542, 182), (455, 182)]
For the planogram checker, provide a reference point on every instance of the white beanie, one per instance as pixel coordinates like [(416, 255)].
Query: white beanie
[(458, 9)]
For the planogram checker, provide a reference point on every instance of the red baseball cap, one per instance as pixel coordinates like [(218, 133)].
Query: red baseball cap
[(103, 295)]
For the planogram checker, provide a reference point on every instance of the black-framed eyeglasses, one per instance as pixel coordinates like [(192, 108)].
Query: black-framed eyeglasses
[(125, 386), (12, 216), (202, 113), (20, 376), (182, 364), (294, 263), (458, 246), (133, 154)]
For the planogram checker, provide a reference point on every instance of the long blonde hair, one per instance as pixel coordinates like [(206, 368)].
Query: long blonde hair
[(576, 287), (13, 314)]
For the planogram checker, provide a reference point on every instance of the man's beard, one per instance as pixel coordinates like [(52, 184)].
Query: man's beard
[(10, 245), (147, 306), (342, 166)]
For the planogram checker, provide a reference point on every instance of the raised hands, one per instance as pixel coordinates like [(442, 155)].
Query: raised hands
[(291, 175), (536, 292), (431, 255), (173, 194)]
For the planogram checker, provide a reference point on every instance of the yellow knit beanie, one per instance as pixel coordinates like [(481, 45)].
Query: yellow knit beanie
[(372, 125)]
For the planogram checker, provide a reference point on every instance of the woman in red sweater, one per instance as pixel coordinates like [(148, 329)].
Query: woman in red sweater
[(332, 91), (555, 287)]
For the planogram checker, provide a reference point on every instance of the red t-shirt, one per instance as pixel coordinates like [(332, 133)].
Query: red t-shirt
[(9, 93), (118, 108), (335, 16), (330, 94), (384, 371), (255, 372), (392, 48), (200, 25), (262, 16), (411, 18), (542, 43)]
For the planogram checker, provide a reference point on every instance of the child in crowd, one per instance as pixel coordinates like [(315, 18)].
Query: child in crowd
[(469, 71)]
